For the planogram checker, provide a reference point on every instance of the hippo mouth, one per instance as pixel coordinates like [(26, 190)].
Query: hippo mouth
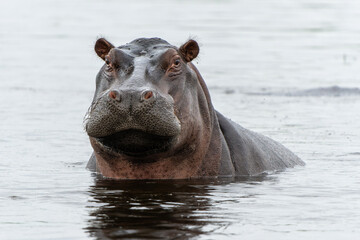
[(135, 143)]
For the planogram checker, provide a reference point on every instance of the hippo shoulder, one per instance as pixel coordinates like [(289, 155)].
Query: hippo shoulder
[(252, 153)]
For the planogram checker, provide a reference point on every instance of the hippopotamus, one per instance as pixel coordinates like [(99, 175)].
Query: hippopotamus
[(152, 118)]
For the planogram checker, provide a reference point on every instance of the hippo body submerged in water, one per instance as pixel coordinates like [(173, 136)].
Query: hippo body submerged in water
[(152, 118)]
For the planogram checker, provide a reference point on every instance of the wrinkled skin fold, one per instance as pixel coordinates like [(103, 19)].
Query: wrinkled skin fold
[(152, 118)]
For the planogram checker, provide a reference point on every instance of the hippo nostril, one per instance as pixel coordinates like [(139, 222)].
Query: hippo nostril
[(147, 95), (115, 95)]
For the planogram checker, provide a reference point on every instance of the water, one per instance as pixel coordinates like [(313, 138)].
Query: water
[(287, 69)]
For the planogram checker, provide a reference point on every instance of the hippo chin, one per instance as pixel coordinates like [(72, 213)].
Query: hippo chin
[(152, 118)]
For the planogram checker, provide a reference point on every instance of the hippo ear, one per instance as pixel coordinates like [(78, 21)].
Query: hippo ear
[(189, 50), (103, 47)]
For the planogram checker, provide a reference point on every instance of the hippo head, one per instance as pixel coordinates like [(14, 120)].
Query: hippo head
[(149, 110)]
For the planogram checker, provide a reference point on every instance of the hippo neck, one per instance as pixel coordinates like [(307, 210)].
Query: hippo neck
[(204, 89), (210, 165)]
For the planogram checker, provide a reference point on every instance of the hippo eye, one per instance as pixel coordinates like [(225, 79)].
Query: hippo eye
[(107, 60), (109, 66), (175, 65)]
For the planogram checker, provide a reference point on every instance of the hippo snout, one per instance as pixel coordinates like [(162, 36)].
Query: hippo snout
[(145, 110), (135, 102), (143, 96)]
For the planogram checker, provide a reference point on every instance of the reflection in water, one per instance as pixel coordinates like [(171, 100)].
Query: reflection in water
[(154, 209)]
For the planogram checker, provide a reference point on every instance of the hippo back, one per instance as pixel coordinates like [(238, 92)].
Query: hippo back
[(251, 153)]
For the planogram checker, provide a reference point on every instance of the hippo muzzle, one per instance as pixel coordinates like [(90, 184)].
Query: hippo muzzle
[(133, 122)]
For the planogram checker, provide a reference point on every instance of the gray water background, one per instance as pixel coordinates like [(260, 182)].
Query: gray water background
[(287, 69)]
